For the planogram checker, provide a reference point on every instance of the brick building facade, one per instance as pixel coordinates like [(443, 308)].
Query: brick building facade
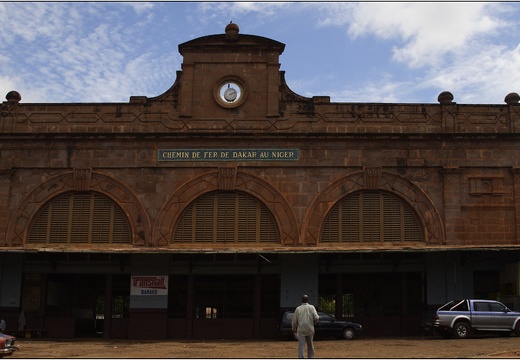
[(206, 211)]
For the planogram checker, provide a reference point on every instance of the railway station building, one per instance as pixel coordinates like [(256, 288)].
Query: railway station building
[(208, 210)]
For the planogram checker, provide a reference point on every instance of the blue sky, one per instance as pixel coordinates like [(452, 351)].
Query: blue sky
[(390, 52)]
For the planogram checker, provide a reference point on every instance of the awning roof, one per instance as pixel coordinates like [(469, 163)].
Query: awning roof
[(357, 248)]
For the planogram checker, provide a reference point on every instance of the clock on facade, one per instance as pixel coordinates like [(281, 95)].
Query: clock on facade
[(230, 93)]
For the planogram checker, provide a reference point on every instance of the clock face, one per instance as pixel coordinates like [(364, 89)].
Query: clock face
[(230, 92)]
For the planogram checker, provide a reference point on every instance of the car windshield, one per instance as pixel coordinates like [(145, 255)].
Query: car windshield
[(326, 317)]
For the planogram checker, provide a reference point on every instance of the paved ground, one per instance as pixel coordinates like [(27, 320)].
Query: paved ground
[(430, 347)]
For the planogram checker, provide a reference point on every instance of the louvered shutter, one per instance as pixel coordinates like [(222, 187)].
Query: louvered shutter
[(204, 215), (226, 217), (80, 218), (371, 217), (248, 214)]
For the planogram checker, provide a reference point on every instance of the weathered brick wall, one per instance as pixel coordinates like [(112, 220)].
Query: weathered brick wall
[(456, 164), (473, 189)]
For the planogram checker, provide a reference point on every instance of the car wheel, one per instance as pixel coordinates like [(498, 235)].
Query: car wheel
[(348, 333), (517, 329), (461, 330)]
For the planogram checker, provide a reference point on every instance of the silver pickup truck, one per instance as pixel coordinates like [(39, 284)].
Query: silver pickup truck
[(459, 318)]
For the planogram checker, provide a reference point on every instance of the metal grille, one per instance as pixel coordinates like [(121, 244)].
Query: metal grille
[(226, 217), (371, 217), (224, 296), (80, 218)]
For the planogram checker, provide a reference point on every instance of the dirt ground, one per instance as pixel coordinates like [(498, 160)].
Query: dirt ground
[(428, 347)]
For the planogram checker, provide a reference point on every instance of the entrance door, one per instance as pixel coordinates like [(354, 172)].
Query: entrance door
[(72, 304), (90, 300)]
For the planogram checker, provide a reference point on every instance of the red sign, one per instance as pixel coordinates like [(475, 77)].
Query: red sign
[(149, 285)]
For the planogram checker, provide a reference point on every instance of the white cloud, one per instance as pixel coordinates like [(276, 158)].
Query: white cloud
[(423, 31), (140, 7), (485, 76), (85, 52), (31, 21), (248, 15), (266, 9), (99, 51), (461, 47), (7, 84)]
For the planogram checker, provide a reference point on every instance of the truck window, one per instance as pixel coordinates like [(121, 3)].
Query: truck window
[(481, 306), (498, 307)]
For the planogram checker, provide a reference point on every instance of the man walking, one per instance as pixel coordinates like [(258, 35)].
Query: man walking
[(304, 318)]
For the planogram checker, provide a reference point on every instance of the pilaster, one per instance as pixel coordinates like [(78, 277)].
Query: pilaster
[(452, 201)]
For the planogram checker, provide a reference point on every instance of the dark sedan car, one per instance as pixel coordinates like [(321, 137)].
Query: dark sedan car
[(327, 326)]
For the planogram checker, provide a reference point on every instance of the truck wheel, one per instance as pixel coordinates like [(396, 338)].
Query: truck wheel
[(348, 334), (461, 330)]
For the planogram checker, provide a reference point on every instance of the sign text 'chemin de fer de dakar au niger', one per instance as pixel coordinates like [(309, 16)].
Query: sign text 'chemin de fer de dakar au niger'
[(228, 154)]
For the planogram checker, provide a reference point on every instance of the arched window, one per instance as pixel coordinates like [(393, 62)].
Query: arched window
[(226, 217), (80, 218), (369, 217)]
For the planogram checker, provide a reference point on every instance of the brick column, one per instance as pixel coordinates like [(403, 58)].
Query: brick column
[(513, 112), (516, 197), (5, 181), (273, 89), (186, 92), (451, 194)]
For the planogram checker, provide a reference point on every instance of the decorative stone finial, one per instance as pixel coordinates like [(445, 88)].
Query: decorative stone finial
[(231, 31), (13, 96), (445, 97), (512, 98)]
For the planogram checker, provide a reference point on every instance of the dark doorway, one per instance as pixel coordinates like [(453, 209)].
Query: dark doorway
[(388, 303), (73, 304)]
